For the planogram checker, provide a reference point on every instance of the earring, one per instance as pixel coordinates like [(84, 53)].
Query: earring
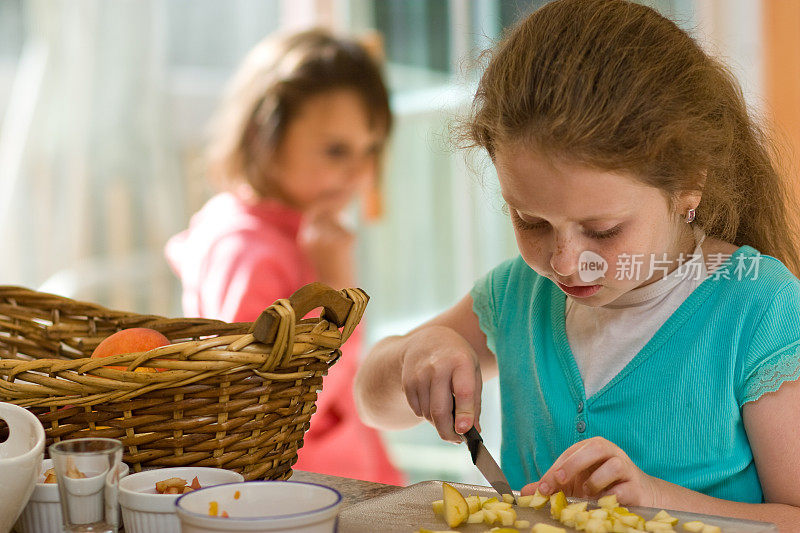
[(690, 215)]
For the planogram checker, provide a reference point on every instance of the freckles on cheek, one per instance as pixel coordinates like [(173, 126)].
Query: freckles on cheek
[(532, 251)]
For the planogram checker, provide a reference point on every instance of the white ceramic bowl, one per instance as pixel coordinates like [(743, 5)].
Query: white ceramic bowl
[(20, 460), (261, 506), (145, 511), (43, 512)]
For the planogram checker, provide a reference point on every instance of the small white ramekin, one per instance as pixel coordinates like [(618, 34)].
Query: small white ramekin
[(145, 511), (43, 512)]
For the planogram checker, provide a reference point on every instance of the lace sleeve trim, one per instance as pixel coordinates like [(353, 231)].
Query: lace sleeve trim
[(770, 377)]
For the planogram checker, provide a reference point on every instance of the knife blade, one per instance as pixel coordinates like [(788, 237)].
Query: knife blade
[(486, 463)]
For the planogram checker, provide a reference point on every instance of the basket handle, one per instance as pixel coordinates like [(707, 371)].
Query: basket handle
[(336, 309)]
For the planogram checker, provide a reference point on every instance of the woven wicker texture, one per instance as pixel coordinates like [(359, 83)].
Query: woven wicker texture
[(236, 396)]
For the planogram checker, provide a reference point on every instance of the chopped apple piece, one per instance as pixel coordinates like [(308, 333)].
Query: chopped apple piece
[(504, 530), (557, 503), (694, 526), (476, 517), (580, 520), (578, 506), (567, 516), (525, 501), (522, 524), (619, 527), (664, 516), (474, 504), (538, 501), (489, 517), (595, 525), (438, 507), (620, 511), (608, 502), (602, 514), (545, 528), (652, 525), (630, 520), (456, 509), (496, 506), (508, 498), (507, 517)]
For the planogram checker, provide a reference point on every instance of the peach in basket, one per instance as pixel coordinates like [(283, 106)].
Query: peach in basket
[(260, 506), (130, 340), (145, 508)]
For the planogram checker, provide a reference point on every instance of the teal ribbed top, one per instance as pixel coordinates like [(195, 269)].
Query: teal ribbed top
[(676, 408)]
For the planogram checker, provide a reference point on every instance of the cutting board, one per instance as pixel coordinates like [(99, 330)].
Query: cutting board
[(409, 509)]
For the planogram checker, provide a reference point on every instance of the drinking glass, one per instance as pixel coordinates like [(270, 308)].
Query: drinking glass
[(88, 478)]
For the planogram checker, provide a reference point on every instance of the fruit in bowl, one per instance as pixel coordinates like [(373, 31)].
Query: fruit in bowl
[(145, 508), (131, 340)]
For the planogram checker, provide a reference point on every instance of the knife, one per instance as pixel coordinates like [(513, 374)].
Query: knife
[(485, 462)]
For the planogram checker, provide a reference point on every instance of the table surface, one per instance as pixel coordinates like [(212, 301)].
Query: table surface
[(352, 490)]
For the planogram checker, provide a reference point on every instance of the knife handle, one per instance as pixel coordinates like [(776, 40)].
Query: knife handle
[(472, 433)]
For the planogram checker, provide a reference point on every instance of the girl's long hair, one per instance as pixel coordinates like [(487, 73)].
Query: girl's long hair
[(614, 85)]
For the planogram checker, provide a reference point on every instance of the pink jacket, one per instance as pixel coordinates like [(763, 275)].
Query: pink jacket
[(234, 261)]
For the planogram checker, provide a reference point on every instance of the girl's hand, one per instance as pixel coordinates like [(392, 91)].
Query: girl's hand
[(329, 245), (594, 468), (439, 366)]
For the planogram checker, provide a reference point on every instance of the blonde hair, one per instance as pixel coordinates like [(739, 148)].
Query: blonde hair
[(273, 82), (614, 85)]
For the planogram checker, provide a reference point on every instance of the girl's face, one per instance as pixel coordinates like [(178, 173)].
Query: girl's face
[(328, 152), (570, 219)]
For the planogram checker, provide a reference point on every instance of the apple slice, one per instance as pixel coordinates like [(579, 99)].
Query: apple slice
[(538, 501), (476, 517), (557, 503), (456, 509), (695, 526)]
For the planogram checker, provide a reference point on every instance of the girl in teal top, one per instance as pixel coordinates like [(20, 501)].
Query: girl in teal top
[(625, 368)]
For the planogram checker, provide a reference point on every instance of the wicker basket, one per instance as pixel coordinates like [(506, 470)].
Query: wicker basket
[(236, 396)]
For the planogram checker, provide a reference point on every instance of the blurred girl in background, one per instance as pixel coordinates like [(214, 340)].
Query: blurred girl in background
[(299, 134)]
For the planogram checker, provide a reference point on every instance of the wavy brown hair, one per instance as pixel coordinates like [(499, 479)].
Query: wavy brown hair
[(614, 85), (275, 79)]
